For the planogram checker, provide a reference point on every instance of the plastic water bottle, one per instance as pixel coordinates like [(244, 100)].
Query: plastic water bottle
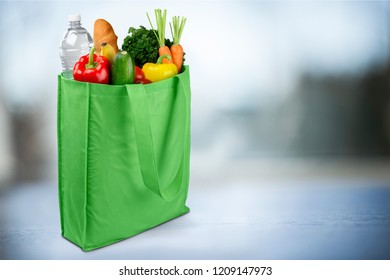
[(75, 43)]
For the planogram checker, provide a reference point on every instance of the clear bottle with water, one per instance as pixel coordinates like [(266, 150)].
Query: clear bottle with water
[(75, 43)]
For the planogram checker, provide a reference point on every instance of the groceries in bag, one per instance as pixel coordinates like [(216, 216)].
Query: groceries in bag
[(136, 61)]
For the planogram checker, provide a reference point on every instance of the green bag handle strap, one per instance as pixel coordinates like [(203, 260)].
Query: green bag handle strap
[(144, 139)]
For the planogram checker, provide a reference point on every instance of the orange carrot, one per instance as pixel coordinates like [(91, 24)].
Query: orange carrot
[(160, 34), (165, 50), (177, 27), (177, 56)]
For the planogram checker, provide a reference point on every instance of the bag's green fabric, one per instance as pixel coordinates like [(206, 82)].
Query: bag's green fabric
[(123, 157)]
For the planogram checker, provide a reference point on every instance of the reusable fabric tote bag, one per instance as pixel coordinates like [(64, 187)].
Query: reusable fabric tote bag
[(123, 157)]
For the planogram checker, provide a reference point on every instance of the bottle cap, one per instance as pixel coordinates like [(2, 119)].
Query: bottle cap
[(74, 18)]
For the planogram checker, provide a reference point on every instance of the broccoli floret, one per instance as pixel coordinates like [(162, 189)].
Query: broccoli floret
[(142, 44)]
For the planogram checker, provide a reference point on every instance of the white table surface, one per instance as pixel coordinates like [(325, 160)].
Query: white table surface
[(317, 218)]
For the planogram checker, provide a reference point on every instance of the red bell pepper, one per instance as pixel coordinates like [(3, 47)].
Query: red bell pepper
[(140, 76), (92, 68)]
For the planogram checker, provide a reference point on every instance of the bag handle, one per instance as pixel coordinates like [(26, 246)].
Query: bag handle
[(144, 139)]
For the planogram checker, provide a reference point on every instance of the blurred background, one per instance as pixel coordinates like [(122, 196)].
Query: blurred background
[(284, 91)]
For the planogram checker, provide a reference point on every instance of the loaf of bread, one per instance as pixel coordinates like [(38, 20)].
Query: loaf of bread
[(104, 33)]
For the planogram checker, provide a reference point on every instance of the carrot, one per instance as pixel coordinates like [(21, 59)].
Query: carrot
[(177, 56), (164, 50), (161, 17), (177, 27)]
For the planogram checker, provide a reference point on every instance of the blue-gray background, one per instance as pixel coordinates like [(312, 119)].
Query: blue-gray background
[(291, 94)]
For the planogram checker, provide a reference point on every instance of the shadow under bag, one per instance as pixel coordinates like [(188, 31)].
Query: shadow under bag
[(123, 157)]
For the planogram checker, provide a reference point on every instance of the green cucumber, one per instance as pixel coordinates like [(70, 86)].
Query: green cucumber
[(122, 69)]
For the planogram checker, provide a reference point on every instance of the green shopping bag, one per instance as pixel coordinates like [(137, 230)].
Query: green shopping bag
[(123, 157)]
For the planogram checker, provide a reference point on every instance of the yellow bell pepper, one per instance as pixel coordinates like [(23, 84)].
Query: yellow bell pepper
[(155, 72)]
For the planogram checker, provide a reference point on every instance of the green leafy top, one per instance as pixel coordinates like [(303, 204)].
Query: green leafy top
[(143, 45), (177, 27), (161, 19)]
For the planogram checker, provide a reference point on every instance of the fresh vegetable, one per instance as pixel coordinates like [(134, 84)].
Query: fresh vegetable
[(161, 18), (142, 44), (140, 76), (107, 51), (122, 70), (92, 68), (177, 52), (157, 72)]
